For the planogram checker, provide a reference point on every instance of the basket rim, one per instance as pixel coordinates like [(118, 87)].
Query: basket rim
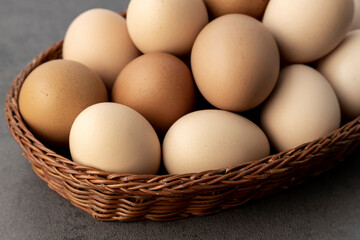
[(37, 153)]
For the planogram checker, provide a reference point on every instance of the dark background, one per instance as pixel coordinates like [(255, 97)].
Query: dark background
[(327, 207)]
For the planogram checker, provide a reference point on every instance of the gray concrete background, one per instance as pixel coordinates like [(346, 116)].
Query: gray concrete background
[(328, 207)]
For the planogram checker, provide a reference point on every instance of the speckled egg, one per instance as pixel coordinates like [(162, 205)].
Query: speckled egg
[(54, 94)]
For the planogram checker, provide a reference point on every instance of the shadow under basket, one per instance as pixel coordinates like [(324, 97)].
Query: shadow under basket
[(126, 197)]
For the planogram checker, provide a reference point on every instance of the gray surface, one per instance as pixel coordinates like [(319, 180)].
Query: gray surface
[(328, 207)]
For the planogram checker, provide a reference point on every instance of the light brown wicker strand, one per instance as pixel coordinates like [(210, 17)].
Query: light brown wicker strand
[(126, 197)]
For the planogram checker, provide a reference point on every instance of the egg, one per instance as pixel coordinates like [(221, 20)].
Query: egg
[(235, 62), (115, 138), (307, 30), (341, 68), (356, 19), (166, 26), (157, 85), (253, 8), (99, 39), (212, 139), (302, 108), (54, 94)]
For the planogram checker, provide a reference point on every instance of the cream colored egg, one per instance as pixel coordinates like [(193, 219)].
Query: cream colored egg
[(115, 138), (342, 68), (212, 139), (235, 62), (302, 108), (99, 39), (166, 26), (356, 19), (307, 30)]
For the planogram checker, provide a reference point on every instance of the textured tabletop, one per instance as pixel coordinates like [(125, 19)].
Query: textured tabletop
[(327, 207)]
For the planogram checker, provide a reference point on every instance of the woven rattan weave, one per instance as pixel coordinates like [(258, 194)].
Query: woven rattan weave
[(128, 197)]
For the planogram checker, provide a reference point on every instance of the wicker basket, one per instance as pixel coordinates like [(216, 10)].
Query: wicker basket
[(127, 197)]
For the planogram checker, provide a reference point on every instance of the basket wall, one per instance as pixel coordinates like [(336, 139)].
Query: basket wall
[(127, 197)]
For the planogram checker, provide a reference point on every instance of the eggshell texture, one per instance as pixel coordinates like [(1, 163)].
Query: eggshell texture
[(356, 19), (254, 8), (157, 85), (166, 26), (341, 68), (115, 138), (235, 62), (302, 108), (307, 30), (212, 139), (54, 94), (99, 39)]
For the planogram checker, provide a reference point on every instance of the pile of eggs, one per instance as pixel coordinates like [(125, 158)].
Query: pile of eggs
[(175, 81)]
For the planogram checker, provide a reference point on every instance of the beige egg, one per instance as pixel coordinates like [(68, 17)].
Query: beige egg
[(307, 30), (212, 139), (356, 19), (302, 108), (99, 39), (54, 94), (342, 69), (253, 8), (166, 26), (115, 138), (235, 62)]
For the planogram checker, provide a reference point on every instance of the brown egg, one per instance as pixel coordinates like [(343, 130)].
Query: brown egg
[(54, 94), (235, 62), (166, 26), (307, 30), (157, 85), (99, 39), (254, 8)]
